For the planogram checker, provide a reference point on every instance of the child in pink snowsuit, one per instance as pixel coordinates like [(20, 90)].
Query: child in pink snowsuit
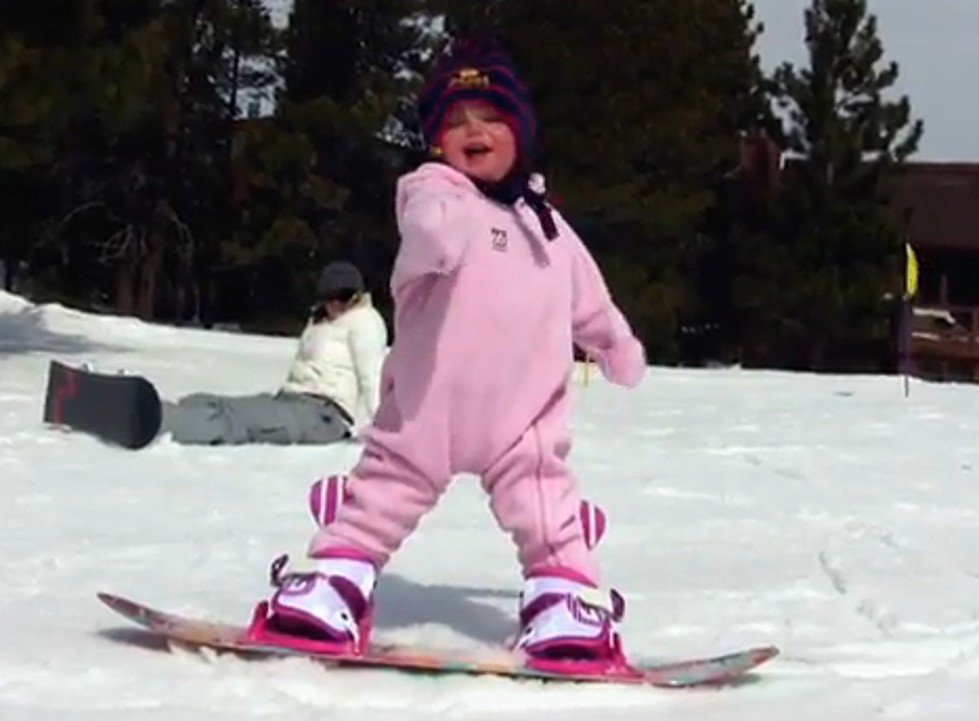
[(492, 289)]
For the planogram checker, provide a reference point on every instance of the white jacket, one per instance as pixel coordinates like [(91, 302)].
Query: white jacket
[(341, 360)]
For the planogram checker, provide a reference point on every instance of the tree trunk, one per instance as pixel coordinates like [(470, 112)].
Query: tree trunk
[(817, 352), (124, 287), (149, 276)]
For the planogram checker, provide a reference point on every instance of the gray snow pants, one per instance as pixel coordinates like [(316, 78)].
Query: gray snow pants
[(282, 419)]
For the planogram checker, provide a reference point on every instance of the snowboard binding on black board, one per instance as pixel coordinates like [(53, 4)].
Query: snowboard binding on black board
[(123, 410)]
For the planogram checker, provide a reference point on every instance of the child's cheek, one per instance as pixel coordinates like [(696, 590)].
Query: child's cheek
[(447, 138), (507, 131)]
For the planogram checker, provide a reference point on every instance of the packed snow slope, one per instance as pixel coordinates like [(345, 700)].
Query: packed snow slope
[(829, 515)]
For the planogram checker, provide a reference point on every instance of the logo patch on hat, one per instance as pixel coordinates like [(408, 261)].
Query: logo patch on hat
[(469, 78)]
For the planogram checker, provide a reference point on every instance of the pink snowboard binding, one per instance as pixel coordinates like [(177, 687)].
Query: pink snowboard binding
[(327, 494), (568, 626), (615, 665), (293, 631)]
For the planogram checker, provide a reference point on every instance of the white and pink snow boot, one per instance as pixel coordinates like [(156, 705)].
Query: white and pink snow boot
[(327, 609), (566, 624), (327, 494)]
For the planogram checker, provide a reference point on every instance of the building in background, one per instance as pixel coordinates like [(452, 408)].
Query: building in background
[(940, 202)]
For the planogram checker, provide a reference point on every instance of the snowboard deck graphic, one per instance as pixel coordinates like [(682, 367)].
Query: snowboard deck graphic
[(123, 410), (708, 671)]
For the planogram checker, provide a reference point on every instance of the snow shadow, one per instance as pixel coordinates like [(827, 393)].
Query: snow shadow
[(402, 602), (24, 331)]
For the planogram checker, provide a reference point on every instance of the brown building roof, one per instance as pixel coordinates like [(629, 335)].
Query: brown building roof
[(944, 202)]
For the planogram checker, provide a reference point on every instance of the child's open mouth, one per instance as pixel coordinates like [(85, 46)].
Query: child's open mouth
[(476, 150)]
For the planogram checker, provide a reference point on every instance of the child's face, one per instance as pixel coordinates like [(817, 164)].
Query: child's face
[(478, 141)]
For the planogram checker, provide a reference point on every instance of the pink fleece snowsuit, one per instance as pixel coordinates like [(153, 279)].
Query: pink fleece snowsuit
[(477, 379)]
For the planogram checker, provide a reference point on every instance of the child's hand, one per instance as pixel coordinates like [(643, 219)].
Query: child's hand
[(624, 363), (433, 221), (432, 180)]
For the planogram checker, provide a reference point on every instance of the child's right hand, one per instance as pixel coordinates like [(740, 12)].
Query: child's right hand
[(432, 213), (428, 182)]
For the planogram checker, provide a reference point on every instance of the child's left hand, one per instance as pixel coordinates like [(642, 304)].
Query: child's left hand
[(624, 363)]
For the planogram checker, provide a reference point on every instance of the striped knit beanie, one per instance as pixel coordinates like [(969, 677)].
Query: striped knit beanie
[(477, 70)]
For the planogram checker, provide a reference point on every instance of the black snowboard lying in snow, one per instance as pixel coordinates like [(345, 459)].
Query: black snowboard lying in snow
[(122, 410)]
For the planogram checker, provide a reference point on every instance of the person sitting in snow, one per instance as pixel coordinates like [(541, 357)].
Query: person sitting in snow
[(334, 378), (492, 290)]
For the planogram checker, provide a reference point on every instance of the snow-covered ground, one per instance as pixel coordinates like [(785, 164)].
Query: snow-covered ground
[(831, 516)]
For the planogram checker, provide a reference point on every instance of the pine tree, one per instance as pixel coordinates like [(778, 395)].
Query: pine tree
[(19, 110), (816, 284), (143, 150), (49, 73), (320, 174)]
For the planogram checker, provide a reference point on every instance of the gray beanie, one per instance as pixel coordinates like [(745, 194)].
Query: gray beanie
[(339, 276)]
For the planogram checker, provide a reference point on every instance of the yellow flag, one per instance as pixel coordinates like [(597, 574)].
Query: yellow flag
[(911, 272), (584, 368)]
